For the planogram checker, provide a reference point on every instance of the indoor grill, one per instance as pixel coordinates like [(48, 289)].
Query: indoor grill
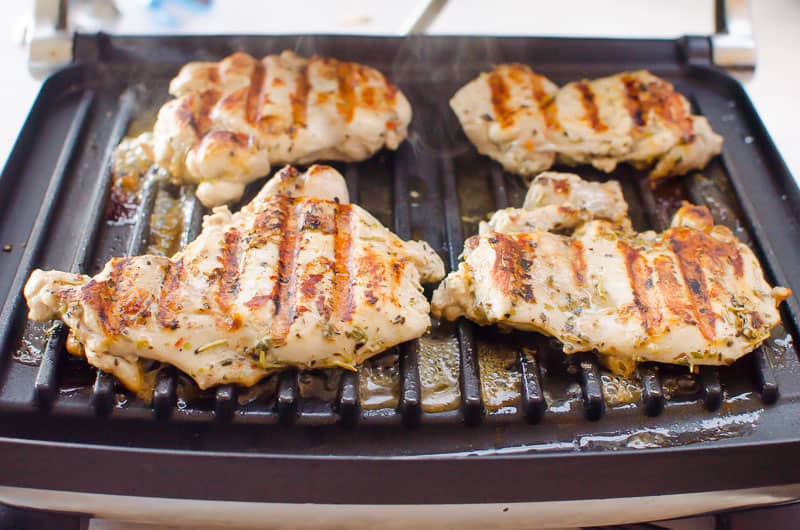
[(557, 436)]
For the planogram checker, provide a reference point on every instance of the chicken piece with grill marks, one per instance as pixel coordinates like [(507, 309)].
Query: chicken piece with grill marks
[(692, 294), (231, 120), (558, 202), (508, 113), (298, 277), (526, 123)]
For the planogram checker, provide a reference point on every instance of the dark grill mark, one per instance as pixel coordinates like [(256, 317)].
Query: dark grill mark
[(591, 112), (169, 306), (578, 262), (346, 103), (253, 103), (258, 301), (689, 246), (202, 121), (546, 103), (372, 272), (270, 222), (509, 273), (309, 284), (639, 276), (550, 112), (343, 264), (391, 92), (118, 301), (319, 215), (227, 274), (287, 276), (659, 97), (756, 320), (671, 290), (369, 97), (632, 103), (269, 225), (561, 186), (699, 216), (299, 98), (398, 267), (500, 96), (228, 140), (193, 110), (735, 258), (213, 75)]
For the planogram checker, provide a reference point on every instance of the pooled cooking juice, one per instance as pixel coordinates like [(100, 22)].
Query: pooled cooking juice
[(379, 381), (166, 224), (619, 391), (500, 375), (439, 369)]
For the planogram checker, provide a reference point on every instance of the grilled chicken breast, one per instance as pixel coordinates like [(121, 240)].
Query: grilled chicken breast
[(692, 294), (231, 120), (558, 202), (527, 123), (298, 277)]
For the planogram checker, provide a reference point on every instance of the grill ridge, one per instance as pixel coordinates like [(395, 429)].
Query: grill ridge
[(660, 221), (287, 397), (702, 191), (164, 394), (471, 400), (103, 391), (410, 392), (592, 388), (289, 405), (12, 310), (46, 384), (347, 401), (165, 389), (533, 401), (653, 394)]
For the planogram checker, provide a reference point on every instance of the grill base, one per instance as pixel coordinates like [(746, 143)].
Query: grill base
[(147, 510)]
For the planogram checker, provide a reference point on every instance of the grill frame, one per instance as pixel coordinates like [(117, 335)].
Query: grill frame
[(40, 433)]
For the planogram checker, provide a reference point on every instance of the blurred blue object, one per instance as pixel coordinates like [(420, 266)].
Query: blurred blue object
[(194, 5), (167, 16)]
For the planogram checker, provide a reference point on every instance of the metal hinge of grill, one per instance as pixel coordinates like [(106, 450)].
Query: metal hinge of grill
[(732, 46)]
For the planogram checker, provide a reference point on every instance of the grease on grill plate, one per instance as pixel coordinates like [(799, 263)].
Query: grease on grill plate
[(439, 369), (481, 188), (500, 375), (379, 381), (130, 166)]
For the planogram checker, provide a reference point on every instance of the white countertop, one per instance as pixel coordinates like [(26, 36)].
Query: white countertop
[(772, 87)]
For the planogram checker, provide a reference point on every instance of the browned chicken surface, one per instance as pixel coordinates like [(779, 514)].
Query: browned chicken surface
[(231, 120), (692, 294), (528, 124), (298, 277)]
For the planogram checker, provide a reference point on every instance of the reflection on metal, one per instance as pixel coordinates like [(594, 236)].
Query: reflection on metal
[(49, 35), (733, 45)]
